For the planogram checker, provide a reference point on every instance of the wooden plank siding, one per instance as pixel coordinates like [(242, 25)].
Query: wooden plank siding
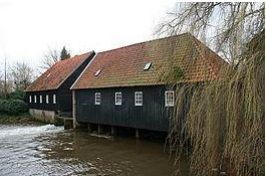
[(153, 115), (63, 94), (50, 106)]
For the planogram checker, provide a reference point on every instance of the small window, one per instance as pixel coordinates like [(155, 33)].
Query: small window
[(147, 66), (47, 99), (169, 98), (30, 99), (54, 98), (35, 99), (138, 99), (40, 98), (97, 98), (118, 98), (98, 72)]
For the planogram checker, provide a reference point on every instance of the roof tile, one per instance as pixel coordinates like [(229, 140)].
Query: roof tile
[(123, 66), (57, 74)]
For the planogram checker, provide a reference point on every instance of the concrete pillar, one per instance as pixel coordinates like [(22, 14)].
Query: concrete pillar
[(89, 128), (99, 129), (113, 131), (68, 124), (137, 133), (75, 123)]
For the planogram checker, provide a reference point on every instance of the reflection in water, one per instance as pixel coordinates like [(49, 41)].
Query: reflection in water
[(49, 150)]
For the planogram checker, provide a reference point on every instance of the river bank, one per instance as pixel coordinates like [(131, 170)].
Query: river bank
[(22, 119)]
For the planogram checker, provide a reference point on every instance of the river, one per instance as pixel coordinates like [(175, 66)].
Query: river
[(50, 150)]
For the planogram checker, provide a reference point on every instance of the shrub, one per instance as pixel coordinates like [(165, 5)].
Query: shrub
[(13, 106), (18, 94)]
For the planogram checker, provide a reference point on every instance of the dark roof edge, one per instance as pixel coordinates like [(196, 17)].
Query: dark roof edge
[(90, 53), (74, 84)]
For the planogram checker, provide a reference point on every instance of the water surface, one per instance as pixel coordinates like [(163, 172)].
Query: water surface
[(49, 150)]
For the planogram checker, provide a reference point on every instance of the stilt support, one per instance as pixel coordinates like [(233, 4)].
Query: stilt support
[(137, 133), (89, 128), (113, 131), (99, 129)]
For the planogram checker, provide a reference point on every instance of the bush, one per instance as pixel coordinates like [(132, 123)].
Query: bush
[(13, 106), (18, 94)]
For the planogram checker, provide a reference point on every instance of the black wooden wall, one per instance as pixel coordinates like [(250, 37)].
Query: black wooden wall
[(153, 115), (43, 105), (63, 94)]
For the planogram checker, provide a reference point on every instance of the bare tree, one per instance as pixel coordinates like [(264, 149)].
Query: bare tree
[(224, 26), (52, 56), (22, 75)]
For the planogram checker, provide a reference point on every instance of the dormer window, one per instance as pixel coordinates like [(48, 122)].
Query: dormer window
[(147, 66), (98, 72)]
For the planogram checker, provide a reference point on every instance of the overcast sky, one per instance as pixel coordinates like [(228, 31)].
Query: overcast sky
[(29, 27)]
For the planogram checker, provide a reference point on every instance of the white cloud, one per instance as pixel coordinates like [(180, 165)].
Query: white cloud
[(29, 27)]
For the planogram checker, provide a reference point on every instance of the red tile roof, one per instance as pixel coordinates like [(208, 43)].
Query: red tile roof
[(58, 73), (124, 66)]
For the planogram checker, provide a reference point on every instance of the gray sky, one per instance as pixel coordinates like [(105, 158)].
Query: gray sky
[(29, 27)]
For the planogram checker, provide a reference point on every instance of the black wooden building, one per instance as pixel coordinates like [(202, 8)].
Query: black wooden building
[(127, 86), (50, 93)]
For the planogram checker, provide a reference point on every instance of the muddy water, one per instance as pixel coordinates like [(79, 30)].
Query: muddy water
[(49, 150)]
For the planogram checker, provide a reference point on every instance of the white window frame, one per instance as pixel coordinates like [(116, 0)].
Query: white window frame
[(35, 98), (118, 98), (97, 98), (47, 99), (30, 100), (169, 96), (139, 98), (54, 98), (40, 98)]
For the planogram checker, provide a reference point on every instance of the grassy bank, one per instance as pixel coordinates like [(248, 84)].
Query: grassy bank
[(23, 119)]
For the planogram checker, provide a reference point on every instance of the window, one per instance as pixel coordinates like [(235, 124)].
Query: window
[(97, 98), (47, 99), (30, 98), (147, 66), (40, 98), (98, 72), (54, 98), (138, 99), (35, 99), (118, 98), (169, 98)]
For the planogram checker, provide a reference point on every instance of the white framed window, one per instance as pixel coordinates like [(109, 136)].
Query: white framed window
[(118, 98), (30, 99), (40, 98), (35, 99), (47, 99), (169, 98), (138, 98), (54, 98), (97, 100)]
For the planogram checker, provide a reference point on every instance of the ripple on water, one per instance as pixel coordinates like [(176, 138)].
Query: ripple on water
[(49, 150)]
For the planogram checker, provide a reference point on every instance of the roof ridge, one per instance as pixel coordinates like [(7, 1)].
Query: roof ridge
[(74, 57), (148, 41)]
